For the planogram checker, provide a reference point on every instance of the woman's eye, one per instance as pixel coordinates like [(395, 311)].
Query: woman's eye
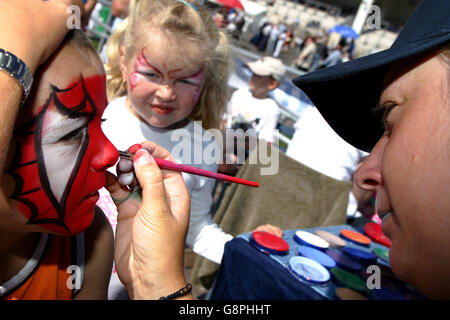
[(385, 109), (74, 135), (388, 107)]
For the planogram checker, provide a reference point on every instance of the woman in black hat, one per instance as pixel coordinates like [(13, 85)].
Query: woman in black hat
[(409, 140)]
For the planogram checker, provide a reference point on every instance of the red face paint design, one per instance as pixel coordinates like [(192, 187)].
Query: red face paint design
[(61, 158)]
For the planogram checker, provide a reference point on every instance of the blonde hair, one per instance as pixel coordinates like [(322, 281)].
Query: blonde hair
[(189, 24)]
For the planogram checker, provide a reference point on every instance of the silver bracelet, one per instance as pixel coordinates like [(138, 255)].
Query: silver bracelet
[(17, 69)]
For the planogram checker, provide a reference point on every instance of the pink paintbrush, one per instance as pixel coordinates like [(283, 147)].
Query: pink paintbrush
[(169, 165)]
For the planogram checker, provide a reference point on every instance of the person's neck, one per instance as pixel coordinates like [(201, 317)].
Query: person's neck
[(16, 248), (178, 125), (261, 96)]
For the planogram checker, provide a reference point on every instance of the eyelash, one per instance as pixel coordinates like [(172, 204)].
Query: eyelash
[(74, 135), (149, 74), (186, 81), (153, 75), (386, 108)]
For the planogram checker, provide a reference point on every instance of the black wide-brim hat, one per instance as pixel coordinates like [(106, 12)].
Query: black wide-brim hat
[(346, 94)]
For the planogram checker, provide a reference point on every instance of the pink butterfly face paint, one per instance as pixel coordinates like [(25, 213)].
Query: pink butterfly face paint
[(163, 92), (61, 158), (197, 81)]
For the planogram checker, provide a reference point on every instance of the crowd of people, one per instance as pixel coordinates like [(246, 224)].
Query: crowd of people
[(315, 48), (166, 70)]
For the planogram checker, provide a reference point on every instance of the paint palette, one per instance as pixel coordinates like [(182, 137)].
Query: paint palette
[(349, 294), (355, 237), (318, 256), (269, 243), (373, 230), (382, 254), (305, 238), (362, 256), (344, 262), (308, 270), (333, 240), (349, 280), (335, 261)]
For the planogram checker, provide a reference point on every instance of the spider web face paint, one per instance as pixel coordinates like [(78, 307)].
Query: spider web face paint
[(61, 157)]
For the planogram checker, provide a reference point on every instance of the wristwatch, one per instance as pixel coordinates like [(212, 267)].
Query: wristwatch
[(17, 69)]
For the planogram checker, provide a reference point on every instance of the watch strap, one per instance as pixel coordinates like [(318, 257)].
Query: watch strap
[(17, 69)]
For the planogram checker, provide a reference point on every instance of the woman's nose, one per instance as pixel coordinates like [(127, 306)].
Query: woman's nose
[(369, 174)]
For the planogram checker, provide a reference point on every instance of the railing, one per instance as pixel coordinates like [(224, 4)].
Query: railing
[(100, 23), (286, 88)]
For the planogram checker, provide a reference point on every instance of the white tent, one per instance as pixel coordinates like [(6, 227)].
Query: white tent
[(254, 14)]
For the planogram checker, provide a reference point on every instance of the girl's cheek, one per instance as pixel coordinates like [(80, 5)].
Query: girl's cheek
[(134, 80)]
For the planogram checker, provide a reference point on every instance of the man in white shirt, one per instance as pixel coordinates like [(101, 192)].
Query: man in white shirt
[(255, 107)]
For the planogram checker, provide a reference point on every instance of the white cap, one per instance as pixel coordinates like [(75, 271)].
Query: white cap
[(268, 66)]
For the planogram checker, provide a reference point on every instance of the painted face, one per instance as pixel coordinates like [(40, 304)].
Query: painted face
[(162, 91), (409, 170), (61, 158)]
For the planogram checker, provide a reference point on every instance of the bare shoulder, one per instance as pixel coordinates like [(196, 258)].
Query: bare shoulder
[(99, 254)]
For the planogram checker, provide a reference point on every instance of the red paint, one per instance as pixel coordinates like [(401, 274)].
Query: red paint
[(270, 241), (171, 73), (135, 147), (74, 212), (141, 58), (373, 230)]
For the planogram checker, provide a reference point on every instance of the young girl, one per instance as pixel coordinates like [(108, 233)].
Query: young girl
[(168, 67)]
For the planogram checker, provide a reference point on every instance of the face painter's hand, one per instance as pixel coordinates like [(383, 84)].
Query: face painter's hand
[(32, 30), (151, 231)]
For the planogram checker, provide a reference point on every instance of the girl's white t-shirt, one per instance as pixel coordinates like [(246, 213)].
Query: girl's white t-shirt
[(123, 129)]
